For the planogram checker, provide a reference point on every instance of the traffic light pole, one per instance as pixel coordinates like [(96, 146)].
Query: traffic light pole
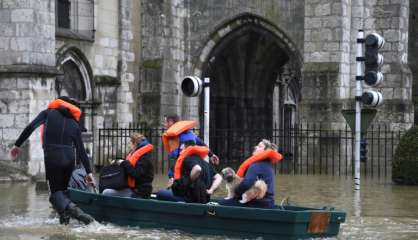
[(359, 92), (206, 108)]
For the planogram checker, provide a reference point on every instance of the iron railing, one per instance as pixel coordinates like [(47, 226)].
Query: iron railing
[(307, 149)]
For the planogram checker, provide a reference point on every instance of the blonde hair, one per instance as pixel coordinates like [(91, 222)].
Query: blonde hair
[(137, 138)]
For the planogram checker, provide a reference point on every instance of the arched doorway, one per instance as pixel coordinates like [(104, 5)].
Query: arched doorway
[(254, 70)]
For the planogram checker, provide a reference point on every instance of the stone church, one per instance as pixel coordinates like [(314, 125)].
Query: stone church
[(272, 63)]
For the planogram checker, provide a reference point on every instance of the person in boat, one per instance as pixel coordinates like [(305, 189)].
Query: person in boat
[(195, 180), (170, 120), (258, 166), (60, 134), (139, 168)]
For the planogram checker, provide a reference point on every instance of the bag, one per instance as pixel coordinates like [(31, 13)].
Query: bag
[(113, 177), (77, 180), (191, 191)]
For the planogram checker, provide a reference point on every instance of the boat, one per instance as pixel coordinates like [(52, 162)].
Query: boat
[(282, 222)]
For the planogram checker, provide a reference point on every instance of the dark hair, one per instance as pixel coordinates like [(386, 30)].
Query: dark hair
[(71, 100), (189, 143), (172, 117)]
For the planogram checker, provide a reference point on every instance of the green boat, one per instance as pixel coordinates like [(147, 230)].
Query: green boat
[(283, 222)]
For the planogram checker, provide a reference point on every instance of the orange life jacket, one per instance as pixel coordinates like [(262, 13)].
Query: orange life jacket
[(171, 136), (58, 103), (274, 157), (202, 151), (134, 157)]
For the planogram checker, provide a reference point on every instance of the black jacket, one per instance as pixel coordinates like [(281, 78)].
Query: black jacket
[(143, 172)]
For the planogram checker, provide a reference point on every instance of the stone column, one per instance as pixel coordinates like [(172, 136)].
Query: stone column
[(326, 72), (27, 74)]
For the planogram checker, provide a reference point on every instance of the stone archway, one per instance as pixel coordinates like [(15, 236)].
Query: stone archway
[(255, 83)]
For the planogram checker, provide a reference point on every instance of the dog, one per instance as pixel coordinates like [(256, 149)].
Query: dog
[(257, 191), (231, 181)]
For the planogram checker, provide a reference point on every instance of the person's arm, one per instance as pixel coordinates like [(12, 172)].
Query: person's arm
[(217, 180), (195, 172), (81, 151), (248, 181), (141, 168), (213, 158), (40, 119)]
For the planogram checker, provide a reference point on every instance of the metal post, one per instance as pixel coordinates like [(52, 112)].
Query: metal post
[(359, 92), (206, 110)]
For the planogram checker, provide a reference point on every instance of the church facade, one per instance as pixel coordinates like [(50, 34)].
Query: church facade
[(271, 63)]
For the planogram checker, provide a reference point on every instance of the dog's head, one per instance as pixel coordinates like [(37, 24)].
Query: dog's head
[(228, 174)]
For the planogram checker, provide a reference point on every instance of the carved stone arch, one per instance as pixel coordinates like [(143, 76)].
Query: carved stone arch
[(250, 61), (76, 81), (77, 75)]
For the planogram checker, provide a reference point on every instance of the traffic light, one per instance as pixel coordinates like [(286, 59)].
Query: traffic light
[(373, 60), (191, 86), (363, 150), (372, 98)]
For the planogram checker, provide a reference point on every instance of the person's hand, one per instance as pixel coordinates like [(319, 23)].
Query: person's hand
[(90, 179), (14, 152), (209, 191), (170, 182), (214, 159)]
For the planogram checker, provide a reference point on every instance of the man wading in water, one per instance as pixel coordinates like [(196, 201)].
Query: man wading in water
[(61, 133)]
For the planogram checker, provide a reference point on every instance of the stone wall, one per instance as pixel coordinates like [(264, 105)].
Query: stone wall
[(390, 19), (413, 52), (326, 80), (174, 34), (27, 71)]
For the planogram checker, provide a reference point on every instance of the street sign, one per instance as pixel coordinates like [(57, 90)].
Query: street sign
[(367, 116)]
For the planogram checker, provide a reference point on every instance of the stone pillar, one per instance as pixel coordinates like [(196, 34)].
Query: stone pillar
[(326, 72), (128, 68), (27, 73)]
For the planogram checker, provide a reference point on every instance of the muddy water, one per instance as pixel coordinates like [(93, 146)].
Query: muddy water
[(381, 211)]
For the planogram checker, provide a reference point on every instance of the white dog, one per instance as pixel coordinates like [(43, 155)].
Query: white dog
[(257, 191)]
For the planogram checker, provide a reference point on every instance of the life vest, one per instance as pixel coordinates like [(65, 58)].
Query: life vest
[(134, 157), (171, 136), (201, 151), (274, 157), (58, 103)]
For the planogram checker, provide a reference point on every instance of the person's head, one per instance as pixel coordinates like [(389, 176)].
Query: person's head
[(187, 144), (170, 119), (134, 139), (264, 144), (187, 139), (70, 100)]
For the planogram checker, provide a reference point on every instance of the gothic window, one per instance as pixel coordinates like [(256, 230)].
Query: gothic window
[(63, 11), (75, 18)]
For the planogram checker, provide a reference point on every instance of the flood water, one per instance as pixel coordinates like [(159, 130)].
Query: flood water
[(382, 210)]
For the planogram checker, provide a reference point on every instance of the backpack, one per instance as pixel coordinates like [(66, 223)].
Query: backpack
[(113, 176)]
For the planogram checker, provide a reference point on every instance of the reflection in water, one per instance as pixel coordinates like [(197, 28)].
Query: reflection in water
[(381, 211)]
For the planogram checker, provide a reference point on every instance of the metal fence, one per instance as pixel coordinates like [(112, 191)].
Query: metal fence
[(308, 149)]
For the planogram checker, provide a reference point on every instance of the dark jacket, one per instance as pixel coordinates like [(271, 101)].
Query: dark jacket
[(143, 172), (60, 129), (259, 170)]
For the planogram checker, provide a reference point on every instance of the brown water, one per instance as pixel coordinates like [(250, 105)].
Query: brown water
[(381, 211)]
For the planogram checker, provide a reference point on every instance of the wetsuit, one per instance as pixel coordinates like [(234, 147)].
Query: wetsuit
[(61, 135)]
